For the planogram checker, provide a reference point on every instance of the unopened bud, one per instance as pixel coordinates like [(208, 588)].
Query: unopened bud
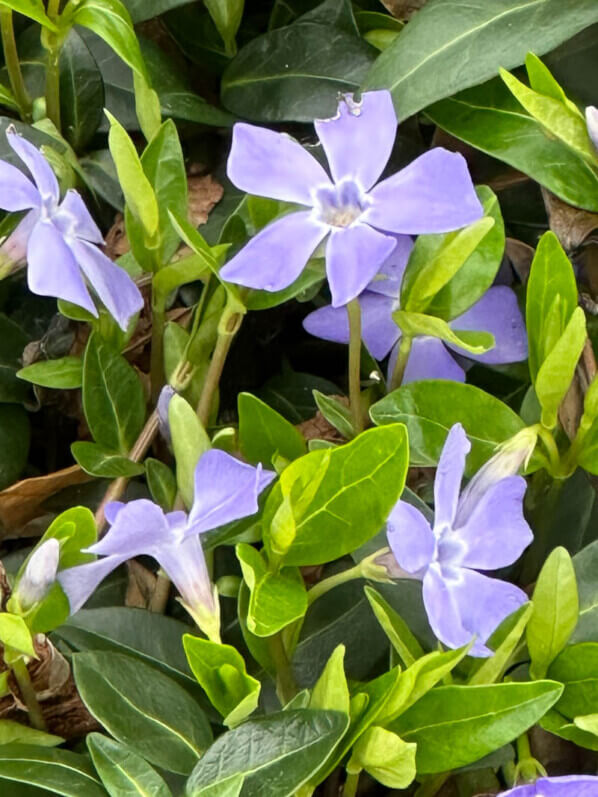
[(592, 123), (382, 566), (39, 575)]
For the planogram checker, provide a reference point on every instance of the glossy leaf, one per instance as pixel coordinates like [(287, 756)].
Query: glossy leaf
[(66, 773), (493, 668), (62, 374), (395, 628), (17, 733), (429, 409), (555, 611), (15, 634), (81, 92), (161, 482), (226, 15), (142, 708), (189, 441), (385, 756), (123, 772), (96, 461), (34, 9), (414, 324), (263, 432), (331, 690), (577, 668), (336, 413)]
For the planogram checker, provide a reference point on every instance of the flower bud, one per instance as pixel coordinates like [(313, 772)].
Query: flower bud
[(382, 566), (592, 123), (164, 398), (39, 575)]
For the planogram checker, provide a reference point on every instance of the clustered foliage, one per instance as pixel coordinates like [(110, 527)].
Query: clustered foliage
[(298, 398)]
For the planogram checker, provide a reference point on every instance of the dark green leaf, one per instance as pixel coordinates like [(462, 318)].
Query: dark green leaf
[(96, 461), (14, 443), (577, 668), (123, 772), (81, 92), (61, 374), (161, 482), (264, 433), (63, 772)]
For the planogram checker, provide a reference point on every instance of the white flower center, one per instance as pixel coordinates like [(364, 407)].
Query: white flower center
[(341, 204)]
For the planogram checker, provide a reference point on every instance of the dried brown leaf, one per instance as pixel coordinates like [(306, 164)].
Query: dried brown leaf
[(571, 225)]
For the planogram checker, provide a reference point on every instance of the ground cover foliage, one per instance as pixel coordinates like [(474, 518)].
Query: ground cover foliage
[(298, 398)]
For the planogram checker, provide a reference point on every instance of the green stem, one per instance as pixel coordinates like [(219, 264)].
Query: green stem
[(157, 345), (528, 768), (54, 45), (551, 449), (401, 363), (21, 674), (286, 688), (354, 313), (324, 586), (351, 784), (214, 372), (13, 66)]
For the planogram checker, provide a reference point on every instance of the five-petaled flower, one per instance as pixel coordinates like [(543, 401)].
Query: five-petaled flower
[(225, 490), (565, 786), (60, 239), (496, 312), (477, 529), (433, 194)]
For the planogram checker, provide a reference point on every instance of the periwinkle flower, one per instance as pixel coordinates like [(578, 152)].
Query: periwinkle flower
[(433, 194), (225, 490), (564, 786), (39, 575), (60, 239), (592, 124), (496, 312), (484, 534)]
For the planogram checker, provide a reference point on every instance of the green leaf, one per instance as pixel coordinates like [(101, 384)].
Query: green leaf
[(12, 344), (436, 259), (456, 725), (586, 565), (113, 398), (15, 437), (147, 107), (15, 634), (15, 732), (111, 21), (189, 441), (493, 668), (330, 501), (263, 432), (96, 461), (65, 773), (555, 611), (272, 755), (384, 756), (424, 64), (331, 690), (143, 709), (61, 374), (161, 483), (551, 299), (414, 324), (139, 194), (430, 408), (490, 118), (222, 674), (295, 72), (577, 668), (555, 723), (277, 599), (336, 413), (75, 528), (560, 119), (34, 9), (557, 370), (81, 92), (123, 772), (395, 628), (7, 98), (226, 15), (477, 273)]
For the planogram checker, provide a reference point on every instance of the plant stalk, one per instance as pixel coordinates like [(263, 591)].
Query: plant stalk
[(351, 784), (215, 368), (286, 688), (354, 313), (324, 586), (157, 345), (13, 66), (401, 363), (53, 43), (21, 674)]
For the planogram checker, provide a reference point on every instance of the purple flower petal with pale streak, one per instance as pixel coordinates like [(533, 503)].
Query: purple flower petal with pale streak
[(139, 527), (73, 219), (40, 169), (410, 537), (17, 192), (53, 270), (277, 254), (388, 280), (449, 474), (481, 604), (270, 164), (162, 406), (225, 490), (80, 582), (117, 291), (496, 533), (185, 565), (15, 246), (592, 123), (496, 312), (564, 786), (443, 610), (433, 194), (353, 256), (348, 138), (378, 331), (429, 359)]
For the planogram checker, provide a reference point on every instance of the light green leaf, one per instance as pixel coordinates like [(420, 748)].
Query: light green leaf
[(493, 668), (226, 15), (263, 432), (395, 628), (555, 611), (34, 9), (123, 772), (16, 732), (61, 374), (147, 107), (331, 690), (189, 441), (385, 756), (414, 324), (577, 668), (75, 529), (15, 634)]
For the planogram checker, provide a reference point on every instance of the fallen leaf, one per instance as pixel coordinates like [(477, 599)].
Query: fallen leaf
[(571, 225)]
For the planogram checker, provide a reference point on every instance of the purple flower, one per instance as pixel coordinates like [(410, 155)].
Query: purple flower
[(487, 533), (433, 194), (225, 490), (567, 786), (592, 123), (496, 312), (59, 239)]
